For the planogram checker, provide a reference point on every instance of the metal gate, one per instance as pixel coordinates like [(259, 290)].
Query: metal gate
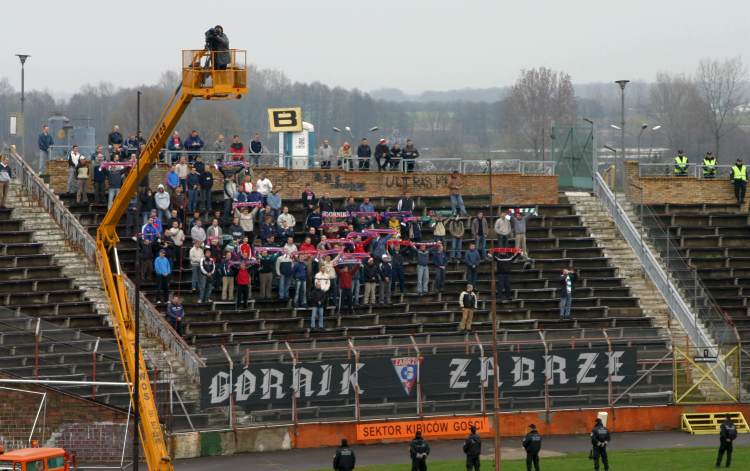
[(573, 150), (707, 375)]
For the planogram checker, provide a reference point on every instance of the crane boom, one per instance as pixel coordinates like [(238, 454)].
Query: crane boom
[(197, 82)]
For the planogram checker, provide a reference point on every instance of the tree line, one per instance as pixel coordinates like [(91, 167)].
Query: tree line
[(704, 111)]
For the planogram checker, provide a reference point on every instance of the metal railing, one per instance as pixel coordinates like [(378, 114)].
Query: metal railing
[(691, 319), (354, 163), (77, 236), (475, 400), (692, 170), (686, 277)]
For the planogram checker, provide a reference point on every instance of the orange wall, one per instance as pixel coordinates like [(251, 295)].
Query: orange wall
[(513, 424)]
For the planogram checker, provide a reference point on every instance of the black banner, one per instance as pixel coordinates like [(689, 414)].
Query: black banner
[(269, 385)]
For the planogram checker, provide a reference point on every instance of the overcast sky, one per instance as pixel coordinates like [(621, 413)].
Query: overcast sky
[(414, 45)]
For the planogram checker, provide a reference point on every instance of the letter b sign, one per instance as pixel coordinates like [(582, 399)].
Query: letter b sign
[(285, 119)]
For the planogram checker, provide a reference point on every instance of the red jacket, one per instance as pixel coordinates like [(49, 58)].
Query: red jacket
[(361, 247), (243, 277), (345, 276)]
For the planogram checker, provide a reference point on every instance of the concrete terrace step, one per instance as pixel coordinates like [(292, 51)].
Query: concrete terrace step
[(628, 266)]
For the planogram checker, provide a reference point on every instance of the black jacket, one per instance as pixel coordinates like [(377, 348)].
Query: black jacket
[(364, 151), (473, 445), (599, 434), (563, 287), (728, 431), (344, 459), (381, 151), (371, 273), (533, 442), (419, 447), (504, 262)]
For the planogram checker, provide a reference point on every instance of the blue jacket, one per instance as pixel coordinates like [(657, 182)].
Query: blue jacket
[(162, 266), (175, 312), (299, 271), (472, 258), (423, 258), (439, 259), (254, 197), (173, 181), (150, 232), (44, 141), (193, 143), (274, 200), (386, 271), (380, 247), (314, 220)]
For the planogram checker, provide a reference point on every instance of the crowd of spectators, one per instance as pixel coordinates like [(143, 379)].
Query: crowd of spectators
[(331, 256)]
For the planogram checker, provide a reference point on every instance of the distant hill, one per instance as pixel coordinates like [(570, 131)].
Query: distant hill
[(489, 95)]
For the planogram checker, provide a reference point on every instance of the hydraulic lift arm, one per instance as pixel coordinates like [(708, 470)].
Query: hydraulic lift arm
[(197, 82)]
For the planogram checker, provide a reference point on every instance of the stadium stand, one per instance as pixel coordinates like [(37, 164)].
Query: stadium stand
[(556, 239)]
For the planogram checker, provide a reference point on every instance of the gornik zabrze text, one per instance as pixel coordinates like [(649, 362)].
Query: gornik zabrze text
[(263, 385)]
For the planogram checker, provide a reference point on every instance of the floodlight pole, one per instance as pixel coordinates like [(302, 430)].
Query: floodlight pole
[(23, 58), (137, 309), (495, 368), (622, 84)]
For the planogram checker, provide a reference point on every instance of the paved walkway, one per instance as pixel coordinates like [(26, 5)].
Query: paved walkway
[(321, 458)]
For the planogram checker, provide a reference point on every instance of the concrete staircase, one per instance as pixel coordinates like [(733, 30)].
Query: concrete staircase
[(46, 231), (629, 267), (86, 275)]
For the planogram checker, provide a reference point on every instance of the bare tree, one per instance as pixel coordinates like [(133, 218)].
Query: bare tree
[(721, 86), (679, 108), (539, 98)]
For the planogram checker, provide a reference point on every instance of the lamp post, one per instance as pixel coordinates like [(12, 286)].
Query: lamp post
[(651, 148), (594, 168), (23, 58), (614, 185), (622, 84), (348, 129), (644, 126)]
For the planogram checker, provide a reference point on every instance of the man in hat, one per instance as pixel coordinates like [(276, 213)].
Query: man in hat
[(472, 449), (599, 440), (382, 154), (418, 450), (344, 459), (532, 443)]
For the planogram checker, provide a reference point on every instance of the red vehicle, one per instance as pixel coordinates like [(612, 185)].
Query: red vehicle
[(36, 459)]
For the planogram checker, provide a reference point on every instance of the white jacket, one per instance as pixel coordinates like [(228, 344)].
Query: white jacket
[(196, 255), (263, 186), (325, 282)]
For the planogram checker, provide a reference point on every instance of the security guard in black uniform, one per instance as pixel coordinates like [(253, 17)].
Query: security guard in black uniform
[(726, 438), (418, 450), (599, 440), (472, 448), (532, 444), (344, 459)]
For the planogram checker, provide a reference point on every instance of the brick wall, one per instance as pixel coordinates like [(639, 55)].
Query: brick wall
[(93, 431), (686, 190), (507, 188)]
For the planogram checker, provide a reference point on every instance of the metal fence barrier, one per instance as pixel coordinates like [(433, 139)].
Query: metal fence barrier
[(692, 170), (79, 238)]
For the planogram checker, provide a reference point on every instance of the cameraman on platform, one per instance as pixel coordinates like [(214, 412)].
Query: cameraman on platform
[(218, 43)]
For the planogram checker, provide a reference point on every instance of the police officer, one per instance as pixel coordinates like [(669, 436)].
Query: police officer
[(599, 440), (739, 180), (344, 459), (709, 165), (418, 450), (532, 444), (472, 448), (726, 437), (680, 164)]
